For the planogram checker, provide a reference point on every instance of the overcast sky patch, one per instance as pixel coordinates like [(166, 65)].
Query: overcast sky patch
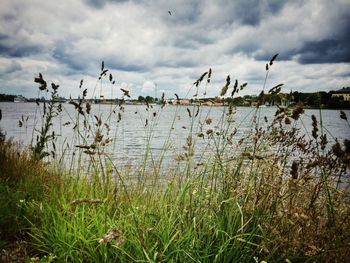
[(168, 45)]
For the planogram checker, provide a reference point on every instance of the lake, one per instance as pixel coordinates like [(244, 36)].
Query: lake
[(155, 129)]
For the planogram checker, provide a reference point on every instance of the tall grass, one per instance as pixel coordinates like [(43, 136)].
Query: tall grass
[(272, 195)]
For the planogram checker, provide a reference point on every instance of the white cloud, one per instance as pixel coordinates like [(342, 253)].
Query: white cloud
[(142, 44), (148, 88)]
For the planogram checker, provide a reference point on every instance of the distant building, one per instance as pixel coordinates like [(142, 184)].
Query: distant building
[(181, 102), (344, 92), (19, 98)]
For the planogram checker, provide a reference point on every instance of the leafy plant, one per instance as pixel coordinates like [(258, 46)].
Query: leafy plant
[(51, 109)]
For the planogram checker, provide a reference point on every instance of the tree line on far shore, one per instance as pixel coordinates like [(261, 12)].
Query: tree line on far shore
[(313, 100)]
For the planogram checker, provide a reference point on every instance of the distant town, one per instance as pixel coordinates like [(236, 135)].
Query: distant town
[(339, 99)]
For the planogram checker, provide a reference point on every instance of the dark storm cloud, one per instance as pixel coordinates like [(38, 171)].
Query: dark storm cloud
[(180, 63), (101, 3), (11, 68), (128, 67), (18, 50), (10, 47), (62, 55), (282, 56), (325, 51), (96, 3), (9, 17), (251, 12), (331, 49), (192, 41), (74, 66)]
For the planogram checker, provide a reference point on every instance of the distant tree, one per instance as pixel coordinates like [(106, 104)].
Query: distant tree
[(273, 99), (5, 97), (149, 99), (325, 98), (313, 99), (239, 101), (141, 99), (297, 97), (229, 100)]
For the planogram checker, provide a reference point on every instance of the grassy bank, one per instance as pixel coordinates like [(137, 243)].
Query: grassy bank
[(275, 194), (244, 210)]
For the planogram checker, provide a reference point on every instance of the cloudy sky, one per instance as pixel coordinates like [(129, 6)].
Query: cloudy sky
[(144, 46)]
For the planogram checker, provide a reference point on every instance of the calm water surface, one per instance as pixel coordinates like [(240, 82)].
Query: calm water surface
[(168, 129)]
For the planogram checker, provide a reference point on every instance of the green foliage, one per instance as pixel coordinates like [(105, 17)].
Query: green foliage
[(149, 99), (50, 111), (274, 195), (141, 99), (22, 188)]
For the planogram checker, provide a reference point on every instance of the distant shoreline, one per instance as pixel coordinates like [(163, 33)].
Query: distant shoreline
[(205, 105)]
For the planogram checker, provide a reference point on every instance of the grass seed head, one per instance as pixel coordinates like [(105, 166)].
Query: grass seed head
[(298, 110), (294, 170), (314, 126), (343, 115)]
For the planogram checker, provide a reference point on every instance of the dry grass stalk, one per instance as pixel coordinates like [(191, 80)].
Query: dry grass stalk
[(112, 234)]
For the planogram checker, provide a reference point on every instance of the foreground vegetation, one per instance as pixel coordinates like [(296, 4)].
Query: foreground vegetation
[(274, 195)]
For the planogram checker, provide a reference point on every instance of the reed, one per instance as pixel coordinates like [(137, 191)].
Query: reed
[(272, 195)]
